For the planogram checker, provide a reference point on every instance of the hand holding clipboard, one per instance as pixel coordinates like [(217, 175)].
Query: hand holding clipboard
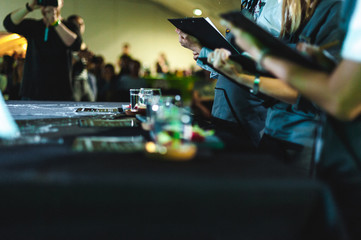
[(261, 39)]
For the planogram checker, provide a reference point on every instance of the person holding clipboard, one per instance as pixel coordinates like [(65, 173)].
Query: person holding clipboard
[(291, 122), (338, 151), (234, 107)]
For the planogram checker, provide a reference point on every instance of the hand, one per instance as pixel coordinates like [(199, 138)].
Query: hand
[(317, 53), (196, 99), (195, 55), (51, 14), (220, 60), (189, 41), (34, 5)]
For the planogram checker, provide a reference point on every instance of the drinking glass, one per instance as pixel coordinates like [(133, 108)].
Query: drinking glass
[(150, 97), (134, 98)]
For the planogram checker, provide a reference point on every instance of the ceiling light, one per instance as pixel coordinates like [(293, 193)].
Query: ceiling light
[(197, 12)]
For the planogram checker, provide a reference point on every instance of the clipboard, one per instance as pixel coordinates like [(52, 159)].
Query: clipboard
[(276, 46), (205, 31)]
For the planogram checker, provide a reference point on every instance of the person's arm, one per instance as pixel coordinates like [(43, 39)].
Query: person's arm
[(16, 21), (66, 35), (270, 86), (192, 43), (197, 102), (53, 18), (189, 42), (18, 15), (337, 93)]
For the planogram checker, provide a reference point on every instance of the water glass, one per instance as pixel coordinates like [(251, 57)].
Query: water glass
[(134, 98)]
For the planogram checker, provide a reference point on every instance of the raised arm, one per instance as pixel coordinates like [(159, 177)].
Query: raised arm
[(66, 34), (53, 18), (337, 93), (18, 15)]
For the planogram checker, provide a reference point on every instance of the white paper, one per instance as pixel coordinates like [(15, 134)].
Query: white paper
[(8, 127)]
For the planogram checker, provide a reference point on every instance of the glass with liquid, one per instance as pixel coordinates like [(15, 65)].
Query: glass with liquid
[(134, 99)]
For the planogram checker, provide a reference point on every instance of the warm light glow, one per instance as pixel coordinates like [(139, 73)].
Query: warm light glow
[(10, 43), (197, 12), (150, 147), (10, 37)]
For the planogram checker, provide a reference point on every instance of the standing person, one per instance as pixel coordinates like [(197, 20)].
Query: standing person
[(82, 90), (124, 60), (162, 64), (234, 107), (48, 63), (107, 90), (133, 79), (338, 152)]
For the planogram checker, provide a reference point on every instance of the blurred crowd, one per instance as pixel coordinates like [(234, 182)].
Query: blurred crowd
[(59, 66), (11, 73), (94, 79)]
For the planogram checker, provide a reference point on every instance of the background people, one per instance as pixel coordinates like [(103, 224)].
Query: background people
[(84, 82), (133, 78), (162, 65), (107, 91)]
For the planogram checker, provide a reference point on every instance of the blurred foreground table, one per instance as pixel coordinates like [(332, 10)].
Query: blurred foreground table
[(50, 191)]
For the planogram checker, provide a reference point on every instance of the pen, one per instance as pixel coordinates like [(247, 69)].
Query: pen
[(329, 45)]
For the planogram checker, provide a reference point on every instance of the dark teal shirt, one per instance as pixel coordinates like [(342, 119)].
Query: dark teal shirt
[(297, 123)]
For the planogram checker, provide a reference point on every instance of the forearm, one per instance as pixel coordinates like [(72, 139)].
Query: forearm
[(67, 36), (18, 15), (272, 87), (345, 85), (205, 111), (338, 94)]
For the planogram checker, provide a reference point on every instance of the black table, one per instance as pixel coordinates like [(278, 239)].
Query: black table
[(49, 191)]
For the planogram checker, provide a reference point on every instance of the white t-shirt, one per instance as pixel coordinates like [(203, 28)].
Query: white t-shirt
[(270, 18), (351, 49)]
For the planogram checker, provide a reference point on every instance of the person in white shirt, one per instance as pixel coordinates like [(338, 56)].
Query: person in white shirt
[(338, 94)]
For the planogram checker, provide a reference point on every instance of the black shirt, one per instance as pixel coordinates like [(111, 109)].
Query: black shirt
[(48, 63)]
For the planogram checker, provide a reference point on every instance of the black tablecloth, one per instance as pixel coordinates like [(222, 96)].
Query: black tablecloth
[(49, 191)]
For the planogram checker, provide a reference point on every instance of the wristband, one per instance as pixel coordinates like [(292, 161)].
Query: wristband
[(261, 58), (56, 23), (255, 88), (28, 7)]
